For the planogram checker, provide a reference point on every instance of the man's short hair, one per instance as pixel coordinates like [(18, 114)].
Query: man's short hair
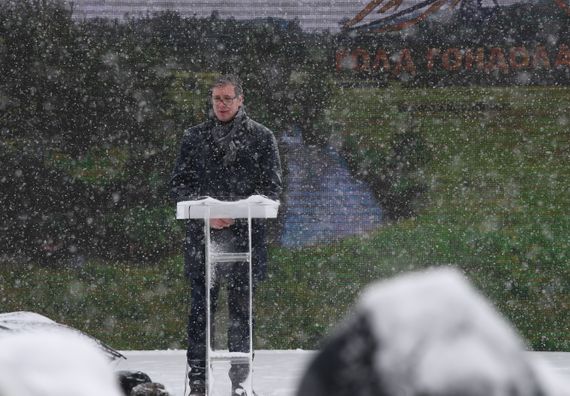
[(229, 79)]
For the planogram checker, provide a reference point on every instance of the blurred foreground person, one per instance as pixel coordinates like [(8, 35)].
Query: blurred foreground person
[(427, 334), (54, 363), (228, 157)]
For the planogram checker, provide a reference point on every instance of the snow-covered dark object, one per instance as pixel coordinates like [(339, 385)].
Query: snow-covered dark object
[(130, 379), (17, 322), (427, 334), (137, 383), (149, 389), (44, 362)]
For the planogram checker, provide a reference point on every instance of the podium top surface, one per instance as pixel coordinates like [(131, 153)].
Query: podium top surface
[(256, 206)]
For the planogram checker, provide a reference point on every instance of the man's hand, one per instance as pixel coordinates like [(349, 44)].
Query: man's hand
[(218, 224)]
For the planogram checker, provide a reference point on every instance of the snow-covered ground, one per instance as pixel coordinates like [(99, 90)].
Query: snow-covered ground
[(420, 333), (276, 373), (423, 333)]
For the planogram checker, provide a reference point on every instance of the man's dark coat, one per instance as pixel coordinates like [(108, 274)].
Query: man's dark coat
[(200, 172)]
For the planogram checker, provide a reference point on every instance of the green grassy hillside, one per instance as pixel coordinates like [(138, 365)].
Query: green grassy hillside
[(496, 206), (497, 203)]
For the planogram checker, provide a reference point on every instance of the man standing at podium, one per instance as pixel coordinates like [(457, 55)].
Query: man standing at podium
[(228, 157)]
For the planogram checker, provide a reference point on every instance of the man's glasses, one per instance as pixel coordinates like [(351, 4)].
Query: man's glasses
[(227, 100)]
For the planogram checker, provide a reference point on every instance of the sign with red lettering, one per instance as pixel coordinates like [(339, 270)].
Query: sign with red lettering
[(479, 59), (467, 42), (396, 15)]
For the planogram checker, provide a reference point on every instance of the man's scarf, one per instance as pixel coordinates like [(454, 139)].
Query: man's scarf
[(226, 135)]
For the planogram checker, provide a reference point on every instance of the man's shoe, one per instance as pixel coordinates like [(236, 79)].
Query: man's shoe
[(149, 389), (197, 388), (240, 391), (197, 377)]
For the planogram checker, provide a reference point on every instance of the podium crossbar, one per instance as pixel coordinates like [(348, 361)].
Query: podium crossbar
[(234, 357), (228, 257)]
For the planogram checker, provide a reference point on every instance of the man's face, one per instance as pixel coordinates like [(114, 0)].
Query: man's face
[(225, 102)]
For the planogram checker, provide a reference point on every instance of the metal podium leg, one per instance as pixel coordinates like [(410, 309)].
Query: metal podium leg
[(208, 284), (249, 381)]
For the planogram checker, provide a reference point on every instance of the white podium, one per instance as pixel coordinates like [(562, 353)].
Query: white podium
[(256, 206)]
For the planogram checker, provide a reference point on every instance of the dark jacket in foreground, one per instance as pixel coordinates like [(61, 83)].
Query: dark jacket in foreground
[(200, 172)]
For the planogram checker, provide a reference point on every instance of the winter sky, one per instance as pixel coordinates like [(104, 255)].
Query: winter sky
[(312, 14)]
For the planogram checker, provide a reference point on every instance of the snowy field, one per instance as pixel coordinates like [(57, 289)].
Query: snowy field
[(436, 333), (276, 373), (422, 333)]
